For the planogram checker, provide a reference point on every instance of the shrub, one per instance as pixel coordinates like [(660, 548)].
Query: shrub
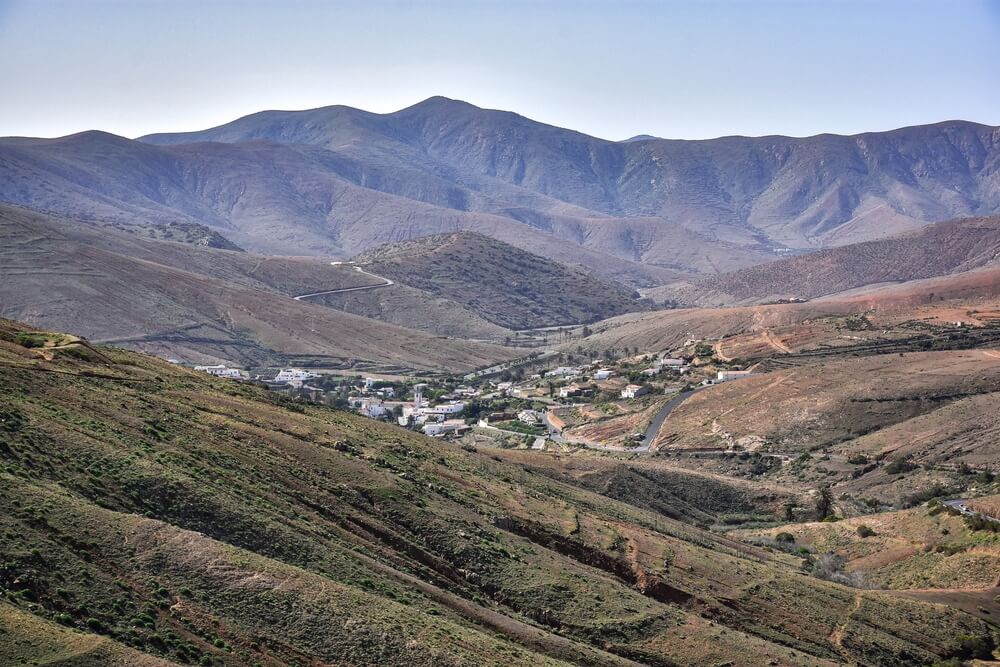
[(30, 340), (784, 538), (899, 466), (971, 647), (865, 531), (979, 522)]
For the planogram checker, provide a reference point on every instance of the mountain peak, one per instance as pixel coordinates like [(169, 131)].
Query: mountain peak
[(439, 103), (639, 137)]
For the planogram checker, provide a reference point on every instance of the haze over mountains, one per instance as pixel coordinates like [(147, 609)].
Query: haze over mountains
[(338, 181), (940, 249)]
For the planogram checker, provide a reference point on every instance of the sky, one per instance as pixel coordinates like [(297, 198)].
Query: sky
[(685, 70)]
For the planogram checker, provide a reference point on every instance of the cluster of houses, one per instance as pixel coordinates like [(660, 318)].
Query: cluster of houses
[(679, 366), (434, 420), (286, 377)]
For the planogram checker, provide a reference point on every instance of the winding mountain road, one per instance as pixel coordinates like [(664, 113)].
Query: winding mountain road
[(555, 434), (386, 283), (661, 416)]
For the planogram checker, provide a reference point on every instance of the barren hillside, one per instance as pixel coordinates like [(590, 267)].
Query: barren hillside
[(935, 250), (505, 285), (198, 303)]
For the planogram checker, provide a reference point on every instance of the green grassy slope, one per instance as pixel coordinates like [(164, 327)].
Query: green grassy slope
[(207, 522)]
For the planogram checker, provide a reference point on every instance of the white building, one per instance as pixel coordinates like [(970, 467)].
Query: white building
[(603, 374), (634, 390), (562, 371), (456, 426), (569, 390), (451, 408), (221, 371), (294, 375), (726, 376), (375, 410)]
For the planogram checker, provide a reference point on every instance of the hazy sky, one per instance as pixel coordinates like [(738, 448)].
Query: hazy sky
[(612, 69)]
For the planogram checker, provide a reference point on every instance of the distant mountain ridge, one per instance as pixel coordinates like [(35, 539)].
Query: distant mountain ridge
[(940, 249), (338, 181), (812, 184)]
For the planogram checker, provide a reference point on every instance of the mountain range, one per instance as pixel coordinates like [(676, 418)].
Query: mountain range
[(338, 181)]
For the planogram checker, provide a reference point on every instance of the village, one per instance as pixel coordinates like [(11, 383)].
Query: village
[(549, 401)]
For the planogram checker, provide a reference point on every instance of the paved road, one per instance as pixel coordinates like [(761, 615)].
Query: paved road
[(348, 289), (961, 504), (661, 416), (651, 430)]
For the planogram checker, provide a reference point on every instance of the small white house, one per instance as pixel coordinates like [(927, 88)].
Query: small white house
[(221, 371), (569, 390), (373, 410), (293, 375), (603, 374), (456, 426), (634, 391), (451, 408), (726, 376)]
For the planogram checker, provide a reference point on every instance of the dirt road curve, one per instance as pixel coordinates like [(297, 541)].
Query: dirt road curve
[(386, 283)]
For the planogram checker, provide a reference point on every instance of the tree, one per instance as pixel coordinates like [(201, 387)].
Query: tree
[(824, 503)]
